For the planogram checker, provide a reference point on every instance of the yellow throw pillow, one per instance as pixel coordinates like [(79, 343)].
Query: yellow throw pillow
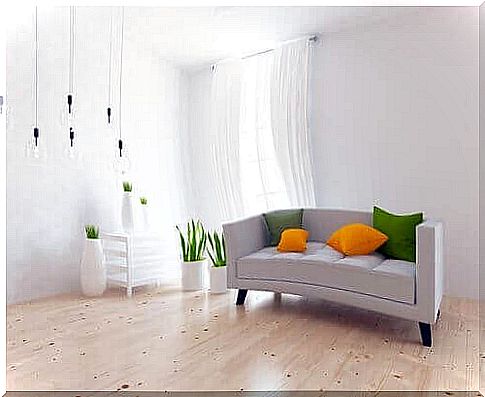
[(356, 239), (293, 240)]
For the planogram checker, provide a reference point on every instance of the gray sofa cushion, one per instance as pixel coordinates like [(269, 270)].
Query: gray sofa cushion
[(322, 265)]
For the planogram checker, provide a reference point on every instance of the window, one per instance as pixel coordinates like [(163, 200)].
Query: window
[(262, 184)]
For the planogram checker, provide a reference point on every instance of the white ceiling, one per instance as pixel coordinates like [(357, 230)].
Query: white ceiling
[(193, 37)]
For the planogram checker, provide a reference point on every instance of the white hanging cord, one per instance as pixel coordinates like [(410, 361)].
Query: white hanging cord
[(110, 56), (72, 19), (110, 66), (71, 49), (36, 81), (121, 66), (72, 15), (36, 71)]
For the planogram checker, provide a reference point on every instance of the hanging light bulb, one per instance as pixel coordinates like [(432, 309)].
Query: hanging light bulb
[(33, 146), (71, 151), (121, 162)]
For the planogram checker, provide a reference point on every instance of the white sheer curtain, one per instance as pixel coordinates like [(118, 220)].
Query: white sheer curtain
[(262, 182), (258, 134), (289, 96), (224, 139)]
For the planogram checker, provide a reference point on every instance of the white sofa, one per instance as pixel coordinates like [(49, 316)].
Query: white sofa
[(408, 290)]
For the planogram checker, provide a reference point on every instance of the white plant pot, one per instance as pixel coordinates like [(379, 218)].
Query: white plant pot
[(93, 271), (127, 212), (144, 217), (218, 279), (193, 275)]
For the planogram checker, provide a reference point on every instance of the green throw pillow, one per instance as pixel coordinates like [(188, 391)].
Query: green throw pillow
[(278, 221), (401, 230)]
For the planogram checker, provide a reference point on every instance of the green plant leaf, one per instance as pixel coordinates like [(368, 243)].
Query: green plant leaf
[(224, 248), (216, 249), (92, 231), (211, 258), (127, 186), (194, 243), (211, 242), (182, 244), (218, 246)]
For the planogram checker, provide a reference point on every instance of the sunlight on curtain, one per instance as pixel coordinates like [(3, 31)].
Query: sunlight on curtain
[(262, 184), (224, 139), (289, 96), (258, 134)]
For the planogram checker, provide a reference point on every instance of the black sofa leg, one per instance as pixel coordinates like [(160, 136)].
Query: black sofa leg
[(425, 330), (241, 296)]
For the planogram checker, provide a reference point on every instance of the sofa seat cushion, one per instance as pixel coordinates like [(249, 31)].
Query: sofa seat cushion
[(322, 265)]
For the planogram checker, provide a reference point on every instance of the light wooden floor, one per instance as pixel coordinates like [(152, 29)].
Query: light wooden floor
[(166, 339)]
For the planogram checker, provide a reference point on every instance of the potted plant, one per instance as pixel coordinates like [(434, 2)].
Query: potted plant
[(144, 213), (193, 245), (93, 271), (127, 208), (218, 271)]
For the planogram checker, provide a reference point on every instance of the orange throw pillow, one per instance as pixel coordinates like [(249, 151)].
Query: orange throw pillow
[(356, 239), (293, 240)]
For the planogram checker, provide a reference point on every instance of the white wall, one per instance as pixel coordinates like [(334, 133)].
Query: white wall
[(394, 121), (48, 203), (3, 285), (203, 191), (394, 118)]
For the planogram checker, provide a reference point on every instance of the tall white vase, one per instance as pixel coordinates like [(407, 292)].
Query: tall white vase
[(93, 271), (127, 212)]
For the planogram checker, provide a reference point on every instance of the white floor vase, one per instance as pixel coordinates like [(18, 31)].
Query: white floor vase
[(127, 213), (193, 275), (93, 271), (218, 279), (145, 218)]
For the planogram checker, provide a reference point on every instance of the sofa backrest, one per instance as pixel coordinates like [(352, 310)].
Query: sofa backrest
[(322, 222)]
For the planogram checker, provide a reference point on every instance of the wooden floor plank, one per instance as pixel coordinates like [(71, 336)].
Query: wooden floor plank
[(167, 339)]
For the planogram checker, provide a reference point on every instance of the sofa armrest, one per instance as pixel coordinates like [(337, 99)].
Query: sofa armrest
[(242, 237), (429, 271)]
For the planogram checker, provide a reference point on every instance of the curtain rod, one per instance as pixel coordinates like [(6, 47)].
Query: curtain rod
[(313, 39)]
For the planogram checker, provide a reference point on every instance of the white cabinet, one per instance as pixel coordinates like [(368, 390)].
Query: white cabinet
[(132, 260)]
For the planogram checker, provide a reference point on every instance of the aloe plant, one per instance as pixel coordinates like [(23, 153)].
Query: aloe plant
[(216, 249), (92, 231), (193, 243), (127, 186), (143, 200)]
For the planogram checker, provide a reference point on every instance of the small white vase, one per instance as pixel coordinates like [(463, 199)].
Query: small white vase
[(127, 212), (193, 275), (93, 271), (145, 218), (218, 279)]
